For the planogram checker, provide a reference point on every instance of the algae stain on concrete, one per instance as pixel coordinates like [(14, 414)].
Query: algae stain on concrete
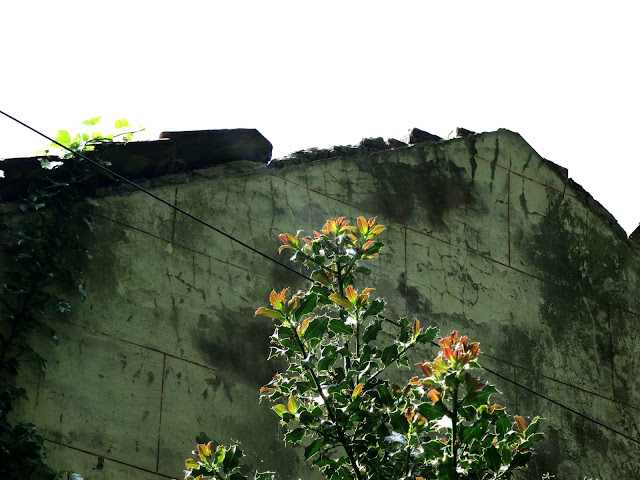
[(577, 262), (237, 347), (437, 186)]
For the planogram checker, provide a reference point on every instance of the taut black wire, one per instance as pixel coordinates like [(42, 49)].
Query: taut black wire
[(240, 242)]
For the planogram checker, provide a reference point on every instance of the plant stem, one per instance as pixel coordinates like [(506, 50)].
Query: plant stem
[(330, 412), (454, 424)]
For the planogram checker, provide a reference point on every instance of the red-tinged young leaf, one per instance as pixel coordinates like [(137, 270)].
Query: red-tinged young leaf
[(292, 405), (303, 327), (283, 294), (377, 230), (416, 327), (268, 313), (340, 300), (368, 290), (363, 226), (521, 423), (267, 390), (275, 300), (367, 245), (434, 395), (284, 247), (204, 451), (357, 390), (351, 293), (447, 353), (426, 369), (191, 464)]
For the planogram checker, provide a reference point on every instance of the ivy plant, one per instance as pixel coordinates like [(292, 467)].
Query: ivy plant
[(337, 399), (42, 254)]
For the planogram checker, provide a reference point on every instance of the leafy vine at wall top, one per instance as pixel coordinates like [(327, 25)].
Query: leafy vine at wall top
[(40, 249)]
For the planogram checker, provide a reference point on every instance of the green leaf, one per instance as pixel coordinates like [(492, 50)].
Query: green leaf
[(375, 308), (279, 409), (519, 460), (389, 354), (385, 395), (219, 455), (294, 435), (535, 437), (492, 457), (63, 138), (307, 305), (313, 448), (505, 453), (292, 405), (476, 430), (364, 270), (122, 123), (533, 427), (92, 121), (399, 422), (371, 332), (231, 459), (433, 449), (427, 335), (317, 328), (336, 325), (404, 330)]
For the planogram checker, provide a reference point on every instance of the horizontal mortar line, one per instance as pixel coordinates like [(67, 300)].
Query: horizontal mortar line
[(473, 252), (173, 243), (109, 458), (563, 192), (312, 190), (141, 346)]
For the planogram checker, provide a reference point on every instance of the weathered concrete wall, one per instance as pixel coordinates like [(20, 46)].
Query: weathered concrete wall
[(484, 237)]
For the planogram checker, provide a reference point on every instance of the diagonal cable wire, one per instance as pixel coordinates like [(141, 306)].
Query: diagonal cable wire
[(240, 242)]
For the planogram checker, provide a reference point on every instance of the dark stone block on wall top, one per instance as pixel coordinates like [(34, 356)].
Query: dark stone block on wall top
[(206, 148)]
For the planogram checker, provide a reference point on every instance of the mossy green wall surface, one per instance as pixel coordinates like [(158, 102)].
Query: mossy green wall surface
[(484, 236)]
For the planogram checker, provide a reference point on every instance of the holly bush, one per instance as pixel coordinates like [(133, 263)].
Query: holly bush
[(336, 398)]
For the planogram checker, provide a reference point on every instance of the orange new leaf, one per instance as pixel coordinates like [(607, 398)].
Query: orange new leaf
[(521, 423)]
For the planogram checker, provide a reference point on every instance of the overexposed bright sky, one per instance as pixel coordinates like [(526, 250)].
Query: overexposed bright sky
[(564, 74)]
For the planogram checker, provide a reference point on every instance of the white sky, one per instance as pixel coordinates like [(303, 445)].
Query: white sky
[(564, 74)]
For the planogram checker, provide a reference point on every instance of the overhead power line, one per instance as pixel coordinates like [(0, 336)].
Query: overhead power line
[(258, 252)]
